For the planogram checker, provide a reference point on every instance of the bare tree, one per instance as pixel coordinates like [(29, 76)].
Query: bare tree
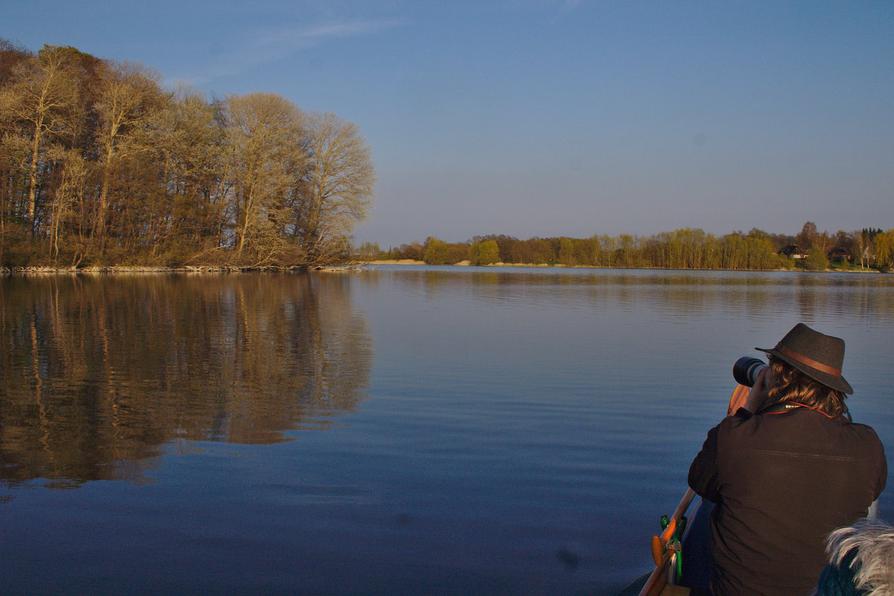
[(336, 187), (127, 96), (265, 157), (188, 144), (808, 236), (68, 197), (858, 247), (43, 95)]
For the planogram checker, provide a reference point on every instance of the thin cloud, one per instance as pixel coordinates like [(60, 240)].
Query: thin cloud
[(271, 44), (563, 8)]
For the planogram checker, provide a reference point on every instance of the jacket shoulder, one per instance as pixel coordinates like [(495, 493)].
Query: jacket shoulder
[(865, 430)]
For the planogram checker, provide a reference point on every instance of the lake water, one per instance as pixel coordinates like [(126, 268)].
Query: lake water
[(398, 430)]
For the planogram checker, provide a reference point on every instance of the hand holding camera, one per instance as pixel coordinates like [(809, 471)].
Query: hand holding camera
[(752, 372), (759, 395)]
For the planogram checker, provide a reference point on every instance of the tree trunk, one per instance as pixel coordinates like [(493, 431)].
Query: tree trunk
[(2, 232), (312, 225), (246, 216), (32, 175), (100, 229)]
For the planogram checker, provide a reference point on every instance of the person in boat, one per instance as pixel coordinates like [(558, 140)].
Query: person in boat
[(861, 561), (785, 470)]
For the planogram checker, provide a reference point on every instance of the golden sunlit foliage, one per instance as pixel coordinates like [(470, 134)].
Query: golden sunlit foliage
[(99, 164)]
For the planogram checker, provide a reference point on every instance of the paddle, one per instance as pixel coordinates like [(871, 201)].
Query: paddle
[(666, 546)]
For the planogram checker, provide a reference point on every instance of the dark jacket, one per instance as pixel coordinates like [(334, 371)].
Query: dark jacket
[(783, 480)]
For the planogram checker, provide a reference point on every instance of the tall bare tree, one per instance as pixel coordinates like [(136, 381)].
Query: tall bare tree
[(128, 94), (68, 195), (336, 188), (188, 143), (43, 95), (265, 158)]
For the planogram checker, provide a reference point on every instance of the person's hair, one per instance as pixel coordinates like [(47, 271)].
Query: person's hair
[(791, 385), (872, 542)]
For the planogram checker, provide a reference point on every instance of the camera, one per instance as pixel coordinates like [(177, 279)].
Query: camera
[(747, 369)]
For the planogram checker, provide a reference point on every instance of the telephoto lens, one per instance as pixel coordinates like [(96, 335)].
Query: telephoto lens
[(746, 370)]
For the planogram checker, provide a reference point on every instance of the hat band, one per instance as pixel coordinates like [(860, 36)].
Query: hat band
[(831, 370)]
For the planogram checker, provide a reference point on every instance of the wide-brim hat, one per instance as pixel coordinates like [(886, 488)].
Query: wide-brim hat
[(817, 355)]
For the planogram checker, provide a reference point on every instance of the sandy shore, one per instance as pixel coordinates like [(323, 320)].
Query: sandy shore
[(394, 262)]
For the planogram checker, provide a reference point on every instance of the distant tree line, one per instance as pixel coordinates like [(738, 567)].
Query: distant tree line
[(101, 165), (679, 249)]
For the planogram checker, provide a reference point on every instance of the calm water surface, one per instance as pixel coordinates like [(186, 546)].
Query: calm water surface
[(400, 430)]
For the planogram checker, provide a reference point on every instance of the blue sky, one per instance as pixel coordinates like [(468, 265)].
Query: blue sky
[(538, 117)]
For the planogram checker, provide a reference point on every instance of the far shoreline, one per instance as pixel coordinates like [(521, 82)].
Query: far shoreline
[(353, 266), (461, 264)]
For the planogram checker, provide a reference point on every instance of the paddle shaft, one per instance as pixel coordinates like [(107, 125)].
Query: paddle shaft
[(657, 575), (657, 578)]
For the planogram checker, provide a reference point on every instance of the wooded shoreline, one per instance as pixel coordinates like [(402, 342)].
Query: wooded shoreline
[(410, 262), (102, 165), (684, 248)]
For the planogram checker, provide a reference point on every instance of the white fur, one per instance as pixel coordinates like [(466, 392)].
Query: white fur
[(874, 562)]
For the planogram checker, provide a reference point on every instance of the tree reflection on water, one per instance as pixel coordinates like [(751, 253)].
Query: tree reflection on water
[(100, 373)]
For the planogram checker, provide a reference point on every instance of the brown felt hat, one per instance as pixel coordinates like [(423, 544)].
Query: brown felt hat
[(817, 355)]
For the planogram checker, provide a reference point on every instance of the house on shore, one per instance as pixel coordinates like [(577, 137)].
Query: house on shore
[(840, 254), (792, 252)]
